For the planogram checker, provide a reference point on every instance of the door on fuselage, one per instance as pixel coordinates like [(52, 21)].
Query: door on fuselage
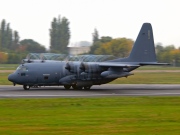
[(32, 78), (26, 76), (48, 78)]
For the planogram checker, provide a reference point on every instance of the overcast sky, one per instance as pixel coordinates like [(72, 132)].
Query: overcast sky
[(115, 18)]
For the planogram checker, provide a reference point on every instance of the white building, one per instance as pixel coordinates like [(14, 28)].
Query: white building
[(79, 48)]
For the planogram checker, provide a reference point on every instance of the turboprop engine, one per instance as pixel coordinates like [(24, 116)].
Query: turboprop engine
[(82, 67), (81, 72)]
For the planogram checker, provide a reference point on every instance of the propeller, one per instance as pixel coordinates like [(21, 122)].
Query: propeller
[(68, 67)]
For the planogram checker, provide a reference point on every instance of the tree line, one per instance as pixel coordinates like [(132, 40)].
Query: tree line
[(13, 50), (121, 47), (9, 39)]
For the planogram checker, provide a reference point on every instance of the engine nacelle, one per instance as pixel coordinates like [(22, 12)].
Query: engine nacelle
[(83, 67), (73, 67), (90, 67)]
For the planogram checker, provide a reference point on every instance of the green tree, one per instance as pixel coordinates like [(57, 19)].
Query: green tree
[(3, 57), (14, 58), (105, 39), (16, 39), (120, 47), (3, 28), (97, 43), (167, 54), (7, 39), (159, 47), (94, 47), (169, 48), (175, 56), (95, 36), (32, 46), (59, 35), (64, 34), (0, 40), (53, 34)]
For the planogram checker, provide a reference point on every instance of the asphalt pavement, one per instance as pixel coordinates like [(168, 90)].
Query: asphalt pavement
[(105, 90)]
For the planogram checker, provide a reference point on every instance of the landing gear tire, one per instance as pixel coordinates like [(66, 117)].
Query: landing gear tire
[(26, 87), (75, 87), (67, 87), (87, 87)]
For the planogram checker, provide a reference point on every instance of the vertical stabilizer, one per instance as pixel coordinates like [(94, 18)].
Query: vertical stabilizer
[(143, 49)]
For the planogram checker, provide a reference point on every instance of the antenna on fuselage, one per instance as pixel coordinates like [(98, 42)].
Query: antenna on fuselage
[(27, 60), (42, 58)]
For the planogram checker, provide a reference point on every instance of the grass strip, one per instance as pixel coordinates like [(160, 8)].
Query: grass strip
[(8, 66), (4, 79), (97, 116), (150, 78)]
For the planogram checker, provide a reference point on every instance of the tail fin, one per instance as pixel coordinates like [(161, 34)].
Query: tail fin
[(143, 49)]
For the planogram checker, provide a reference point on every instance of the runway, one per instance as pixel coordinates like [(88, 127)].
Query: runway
[(96, 91)]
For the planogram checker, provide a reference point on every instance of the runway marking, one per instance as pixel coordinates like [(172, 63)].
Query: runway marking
[(153, 94)]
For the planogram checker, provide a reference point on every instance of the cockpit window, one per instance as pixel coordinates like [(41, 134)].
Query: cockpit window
[(22, 68), (18, 68)]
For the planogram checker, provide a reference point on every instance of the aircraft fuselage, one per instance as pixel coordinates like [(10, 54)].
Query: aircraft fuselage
[(59, 73)]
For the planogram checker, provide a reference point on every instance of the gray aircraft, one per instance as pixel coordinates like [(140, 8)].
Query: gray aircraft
[(79, 75)]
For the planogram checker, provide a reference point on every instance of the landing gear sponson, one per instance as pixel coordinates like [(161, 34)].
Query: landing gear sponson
[(75, 87), (67, 87)]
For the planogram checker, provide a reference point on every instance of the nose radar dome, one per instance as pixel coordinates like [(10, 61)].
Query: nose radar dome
[(11, 77)]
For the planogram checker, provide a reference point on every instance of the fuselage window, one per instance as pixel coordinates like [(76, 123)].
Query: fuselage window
[(23, 74), (46, 77)]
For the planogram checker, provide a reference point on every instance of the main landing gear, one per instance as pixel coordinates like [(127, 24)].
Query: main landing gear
[(67, 87), (75, 87), (26, 87)]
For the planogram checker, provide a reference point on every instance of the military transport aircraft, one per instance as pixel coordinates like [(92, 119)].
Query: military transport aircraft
[(82, 75)]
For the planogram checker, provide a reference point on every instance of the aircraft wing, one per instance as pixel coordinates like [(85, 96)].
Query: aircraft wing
[(152, 63), (114, 64)]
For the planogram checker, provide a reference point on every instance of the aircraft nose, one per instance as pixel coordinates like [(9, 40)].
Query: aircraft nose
[(11, 77)]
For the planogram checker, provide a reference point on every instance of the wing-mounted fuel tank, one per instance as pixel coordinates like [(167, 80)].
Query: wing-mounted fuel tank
[(115, 73)]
